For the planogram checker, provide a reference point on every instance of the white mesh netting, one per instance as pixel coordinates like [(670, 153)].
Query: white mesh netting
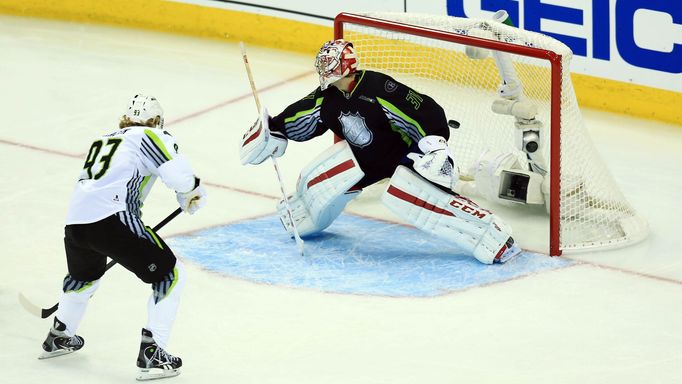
[(593, 211)]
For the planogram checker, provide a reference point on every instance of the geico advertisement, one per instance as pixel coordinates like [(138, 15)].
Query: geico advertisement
[(638, 41)]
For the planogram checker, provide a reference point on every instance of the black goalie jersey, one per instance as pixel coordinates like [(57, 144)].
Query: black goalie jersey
[(382, 120)]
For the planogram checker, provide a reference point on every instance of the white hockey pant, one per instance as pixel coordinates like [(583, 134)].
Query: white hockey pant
[(322, 191), (450, 217)]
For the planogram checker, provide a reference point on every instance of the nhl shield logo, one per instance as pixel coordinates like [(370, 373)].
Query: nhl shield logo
[(355, 129)]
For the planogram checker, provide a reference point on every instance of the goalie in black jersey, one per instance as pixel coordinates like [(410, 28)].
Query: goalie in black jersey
[(389, 131)]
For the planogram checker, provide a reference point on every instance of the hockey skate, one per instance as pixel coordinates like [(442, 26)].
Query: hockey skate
[(154, 362), (58, 343), (511, 252)]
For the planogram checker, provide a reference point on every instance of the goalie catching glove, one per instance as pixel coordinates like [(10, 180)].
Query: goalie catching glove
[(437, 163), (259, 143), (191, 201)]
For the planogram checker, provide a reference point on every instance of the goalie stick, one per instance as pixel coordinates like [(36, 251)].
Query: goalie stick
[(46, 312), (299, 241)]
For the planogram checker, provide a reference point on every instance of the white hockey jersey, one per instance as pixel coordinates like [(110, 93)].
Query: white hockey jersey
[(120, 170)]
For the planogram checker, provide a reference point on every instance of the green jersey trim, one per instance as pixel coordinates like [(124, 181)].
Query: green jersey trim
[(154, 237), (158, 143), (300, 114), (401, 121)]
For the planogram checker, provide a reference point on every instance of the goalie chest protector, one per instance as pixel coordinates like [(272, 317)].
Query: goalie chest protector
[(381, 119)]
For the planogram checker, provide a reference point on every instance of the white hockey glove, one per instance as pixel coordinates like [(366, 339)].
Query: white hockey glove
[(259, 143), (191, 201), (437, 163)]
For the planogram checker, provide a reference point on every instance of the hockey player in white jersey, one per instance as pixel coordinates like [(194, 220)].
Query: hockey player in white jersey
[(104, 220)]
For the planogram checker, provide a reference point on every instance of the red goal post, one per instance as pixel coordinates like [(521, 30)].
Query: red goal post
[(389, 34)]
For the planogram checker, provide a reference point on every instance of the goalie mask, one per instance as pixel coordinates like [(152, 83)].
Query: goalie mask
[(142, 108), (335, 60)]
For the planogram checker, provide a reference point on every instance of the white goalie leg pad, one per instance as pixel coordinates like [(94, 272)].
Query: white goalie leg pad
[(323, 190), (450, 217), (310, 222)]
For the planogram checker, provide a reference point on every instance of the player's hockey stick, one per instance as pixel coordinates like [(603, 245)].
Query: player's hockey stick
[(299, 241), (46, 312)]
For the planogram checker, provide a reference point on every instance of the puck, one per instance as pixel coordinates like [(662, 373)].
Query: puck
[(453, 124)]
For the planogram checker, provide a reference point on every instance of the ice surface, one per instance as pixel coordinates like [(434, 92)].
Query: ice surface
[(611, 317)]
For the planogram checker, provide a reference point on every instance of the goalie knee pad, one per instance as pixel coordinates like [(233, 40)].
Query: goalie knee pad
[(450, 217), (323, 190)]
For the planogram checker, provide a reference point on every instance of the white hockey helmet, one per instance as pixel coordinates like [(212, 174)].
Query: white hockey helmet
[(141, 108), (335, 60)]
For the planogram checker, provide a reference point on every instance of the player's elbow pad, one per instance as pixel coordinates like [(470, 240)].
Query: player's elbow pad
[(177, 174)]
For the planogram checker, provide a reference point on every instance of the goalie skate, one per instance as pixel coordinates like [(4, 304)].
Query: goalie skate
[(511, 252), (59, 343), (154, 362)]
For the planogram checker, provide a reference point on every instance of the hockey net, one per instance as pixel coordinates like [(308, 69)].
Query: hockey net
[(586, 208)]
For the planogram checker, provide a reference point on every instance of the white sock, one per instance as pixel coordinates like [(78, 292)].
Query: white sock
[(72, 306), (161, 315)]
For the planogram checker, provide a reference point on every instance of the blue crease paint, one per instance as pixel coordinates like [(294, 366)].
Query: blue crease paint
[(355, 255)]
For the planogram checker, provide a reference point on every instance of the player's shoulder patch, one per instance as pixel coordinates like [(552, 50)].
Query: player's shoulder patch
[(383, 80), (390, 85)]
